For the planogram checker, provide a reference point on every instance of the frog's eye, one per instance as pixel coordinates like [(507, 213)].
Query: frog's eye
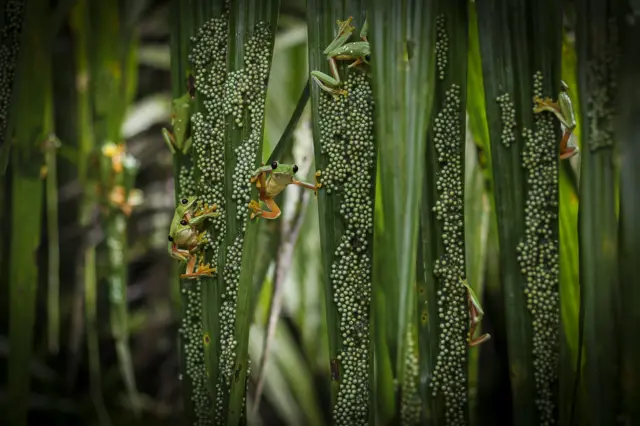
[(183, 222), (184, 201), (170, 238), (295, 168), (367, 58), (274, 165)]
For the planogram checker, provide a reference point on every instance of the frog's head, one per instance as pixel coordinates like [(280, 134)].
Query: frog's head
[(283, 173), (564, 86), (187, 203)]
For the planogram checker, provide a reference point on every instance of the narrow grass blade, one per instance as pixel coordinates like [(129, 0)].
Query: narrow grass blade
[(629, 143), (85, 273), (569, 259), (517, 65), (113, 65), (53, 249), (181, 29), (93, 338), (33, 119), (597, 51), (344, 146), (289, 236), (442, 218), (476, 217)]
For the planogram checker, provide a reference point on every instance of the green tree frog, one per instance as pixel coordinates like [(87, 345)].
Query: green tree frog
[(180, 139), (186, 240), (563, 109), (339, 49), (280, 175), (475, 316)]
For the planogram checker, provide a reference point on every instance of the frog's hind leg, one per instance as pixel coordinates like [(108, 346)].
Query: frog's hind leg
[(274, 212), (473, 313), (203, 270), (567, 151)]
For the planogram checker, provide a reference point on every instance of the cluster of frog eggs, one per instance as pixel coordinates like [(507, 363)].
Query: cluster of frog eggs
[(411, 409), (442, 45), (191, 332), (507, 118), (449, 375), (247, 91), (538, 253), (209, 59), (347, 138), (602, 76), (9, 47)]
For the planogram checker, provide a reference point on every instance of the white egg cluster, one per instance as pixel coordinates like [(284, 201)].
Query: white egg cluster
[(411, 410), (9, 47), (442, 45), (602, 77), (347, 138), (538, 253), (507, 119), (449, 376)]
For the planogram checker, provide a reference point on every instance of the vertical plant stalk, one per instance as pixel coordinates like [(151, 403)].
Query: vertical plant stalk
[(113, 69), (442, 216), (571, 347), (53, 250), (33, 120), (344, 145), (86, 276), (182, 28), (93, 341), (598, 55), (231, 84), (629, 148), (402, 44)]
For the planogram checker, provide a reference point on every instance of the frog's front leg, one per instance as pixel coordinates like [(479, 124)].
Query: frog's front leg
[(313, 187), (364, 31), (197, 219), (328, 83)]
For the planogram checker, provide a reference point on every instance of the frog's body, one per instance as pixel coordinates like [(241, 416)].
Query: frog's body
[(180, 139), (185, 239), (280, 175)]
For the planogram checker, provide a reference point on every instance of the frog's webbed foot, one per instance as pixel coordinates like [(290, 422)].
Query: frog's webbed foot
[(202, 271), (318, 184), (206, 210), (254, 206), (546, 104)]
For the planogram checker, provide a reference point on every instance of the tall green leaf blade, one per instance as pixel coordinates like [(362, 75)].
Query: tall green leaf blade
[(443, 216), (597, 49), (629, 137), (231, 56), (32, 100), (402, 45), (516, 66), (569, 256), (344, 145)]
